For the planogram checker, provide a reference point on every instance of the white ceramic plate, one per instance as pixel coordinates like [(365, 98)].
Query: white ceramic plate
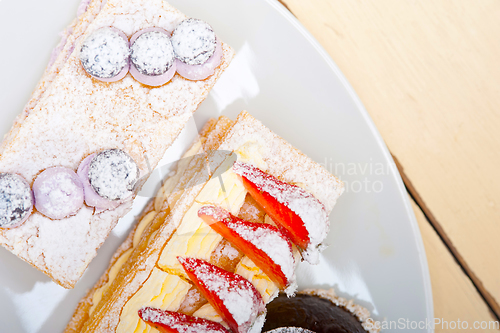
[(284, 78)]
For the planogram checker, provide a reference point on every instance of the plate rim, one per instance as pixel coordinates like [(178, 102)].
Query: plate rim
[(287, 14), (281, 10)]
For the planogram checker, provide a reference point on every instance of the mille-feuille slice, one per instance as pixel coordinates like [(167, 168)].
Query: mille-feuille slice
[(150, 219), (153, 276), (107, 106), (86, 13)]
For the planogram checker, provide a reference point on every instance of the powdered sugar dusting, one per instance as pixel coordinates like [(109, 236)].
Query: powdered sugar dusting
[(284, 161), (152, 53), (82, 7), (251, 211), (16, 200), (60, 246), (290, 330), (258, 324), (104, 53), (238, 295), (93, 199), (60, 46), (326, 191), (202, 71), (239, 301), (361, 313), (194, 41), (266, 238), (270, 242), (72, 116), (180, 322), (58, 193), (304, 204), (113, 174), (230, 252), (224, 250), (281, 158)]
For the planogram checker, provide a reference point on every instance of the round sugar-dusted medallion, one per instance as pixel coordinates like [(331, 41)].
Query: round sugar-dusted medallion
[(152, 53), (92, 199), (16, 200), (193, 41), (58, 193), (105, 54), (113, 174)]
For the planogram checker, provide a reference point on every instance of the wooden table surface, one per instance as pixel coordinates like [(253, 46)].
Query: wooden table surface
[(428, 72)]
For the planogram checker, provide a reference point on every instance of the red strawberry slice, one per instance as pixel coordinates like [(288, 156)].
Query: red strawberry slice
[(235, 299), (175, 322), (264, 244), (298, 214)]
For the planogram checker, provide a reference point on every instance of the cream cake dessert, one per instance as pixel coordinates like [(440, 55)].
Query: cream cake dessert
[(125, 79), (320, 311), (221, 239)]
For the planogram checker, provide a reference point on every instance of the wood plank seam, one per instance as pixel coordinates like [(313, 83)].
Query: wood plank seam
[(487, 297), (492, 304), (286, 6)]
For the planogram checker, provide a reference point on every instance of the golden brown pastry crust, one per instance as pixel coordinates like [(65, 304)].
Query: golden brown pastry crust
[(282, 160), (81, 314), (141, 120)]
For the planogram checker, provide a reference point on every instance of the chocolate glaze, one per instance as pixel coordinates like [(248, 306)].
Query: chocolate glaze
[(311, 312)]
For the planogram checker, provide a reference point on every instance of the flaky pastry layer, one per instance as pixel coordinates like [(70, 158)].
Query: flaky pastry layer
[(72, 115), (281, 160)]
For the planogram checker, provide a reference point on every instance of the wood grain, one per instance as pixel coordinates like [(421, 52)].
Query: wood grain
[(428, 73), (455, 297)]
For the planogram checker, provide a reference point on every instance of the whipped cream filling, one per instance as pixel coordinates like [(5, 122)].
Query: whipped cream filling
[(194, 238), (161, 290), (167, 188)]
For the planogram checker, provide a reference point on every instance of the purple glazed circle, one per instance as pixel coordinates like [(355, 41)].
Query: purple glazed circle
[(16, 200), (143, 31), (151, 80), (58, 193), (93, 199), (124, 70), (201, 72), (118, 77)]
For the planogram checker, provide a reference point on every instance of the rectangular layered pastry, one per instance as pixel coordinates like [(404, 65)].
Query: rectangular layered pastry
[(120, 87), (220, 240)]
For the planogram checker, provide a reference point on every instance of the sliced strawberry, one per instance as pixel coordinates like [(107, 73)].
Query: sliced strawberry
[(264, 244), (175, 322), (298, 214), (235, 299)]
